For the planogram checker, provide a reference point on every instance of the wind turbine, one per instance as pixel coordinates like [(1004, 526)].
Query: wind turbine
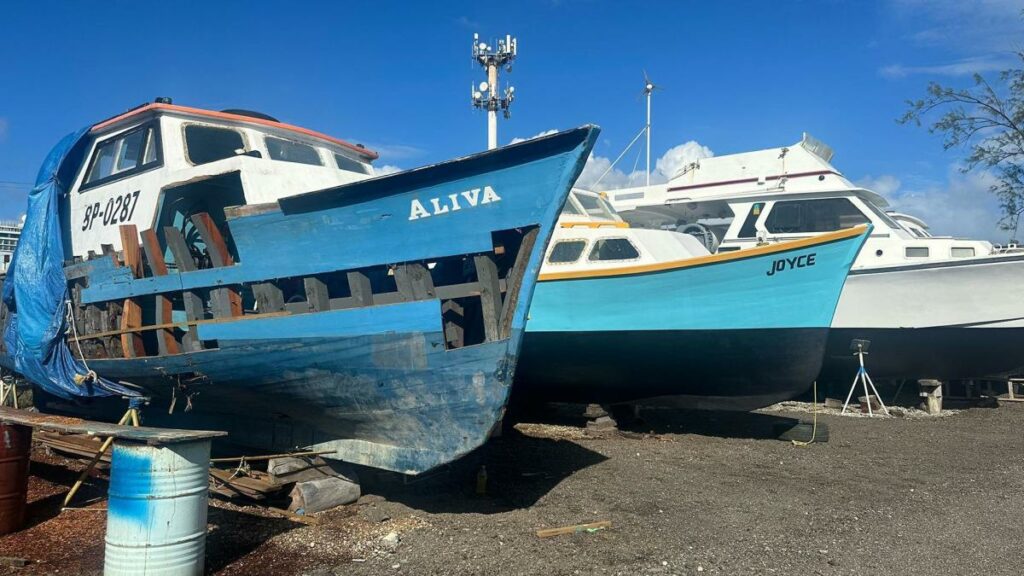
[(649, 87)]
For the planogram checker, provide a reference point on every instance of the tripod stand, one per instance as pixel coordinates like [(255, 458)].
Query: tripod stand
[(862, 377)]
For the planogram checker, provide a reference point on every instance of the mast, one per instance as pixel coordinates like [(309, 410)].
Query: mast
[(487, 95), (648, 88)]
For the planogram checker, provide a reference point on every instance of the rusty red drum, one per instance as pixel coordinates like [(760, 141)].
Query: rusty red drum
[(15, 448)]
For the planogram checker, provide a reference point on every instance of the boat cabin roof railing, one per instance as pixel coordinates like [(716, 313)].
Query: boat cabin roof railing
[(135, 114)]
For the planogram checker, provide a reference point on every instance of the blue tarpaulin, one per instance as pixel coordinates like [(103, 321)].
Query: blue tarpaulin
[(36, 291)]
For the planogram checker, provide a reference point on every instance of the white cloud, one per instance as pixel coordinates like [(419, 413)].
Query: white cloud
[(964, 67), (962, 206), (665, 167), (974, 25), (517, 139), (385, 169), (886, 184), (393, 152)]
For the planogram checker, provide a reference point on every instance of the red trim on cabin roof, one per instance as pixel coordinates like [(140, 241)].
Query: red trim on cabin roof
[(367, 153), (747, 180)]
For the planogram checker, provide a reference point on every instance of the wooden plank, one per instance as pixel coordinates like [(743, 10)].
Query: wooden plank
[(183, 260), (317, 296), (70, 425), (216, 246), (110, 333), (465, 290), (166, 342), (269, 298), (414, 282), (131, 318), (131, 249), (593, 526), (453, 316), (514, 281), (194, 308), (490, 294), (224, 302), (360, 287)]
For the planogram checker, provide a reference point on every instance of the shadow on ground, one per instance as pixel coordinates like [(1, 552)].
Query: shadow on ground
[(721, 424), (520, 470)]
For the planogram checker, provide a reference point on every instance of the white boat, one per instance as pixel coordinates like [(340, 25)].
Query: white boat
[(932, 306)]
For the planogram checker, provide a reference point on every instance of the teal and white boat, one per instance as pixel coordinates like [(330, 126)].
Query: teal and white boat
[(626, 315)]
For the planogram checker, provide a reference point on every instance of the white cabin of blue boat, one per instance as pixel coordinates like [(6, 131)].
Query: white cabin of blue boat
[(150, 165)]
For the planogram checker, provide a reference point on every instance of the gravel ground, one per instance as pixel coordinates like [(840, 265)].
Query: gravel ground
[(686, 493)]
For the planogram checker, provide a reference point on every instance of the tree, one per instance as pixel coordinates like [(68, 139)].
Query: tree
[(989, 119)]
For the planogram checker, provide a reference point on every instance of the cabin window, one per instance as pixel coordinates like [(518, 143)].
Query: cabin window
[(288, 151), (205, 144), (613, 249), (567, 251), (916, 252), (121, 156), (748, 230), (824, 215), (346, 163), (962, 252)]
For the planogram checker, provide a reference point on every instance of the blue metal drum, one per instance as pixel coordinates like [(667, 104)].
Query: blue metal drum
[(156, 523)]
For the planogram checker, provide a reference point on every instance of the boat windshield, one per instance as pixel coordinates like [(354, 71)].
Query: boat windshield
[(881, 214), (596, 206)]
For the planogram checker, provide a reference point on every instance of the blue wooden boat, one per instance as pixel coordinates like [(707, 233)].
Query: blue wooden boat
[(280, 293), (624, 315)]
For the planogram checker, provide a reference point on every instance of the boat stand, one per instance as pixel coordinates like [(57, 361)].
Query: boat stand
[(8, 389), (862, 377)]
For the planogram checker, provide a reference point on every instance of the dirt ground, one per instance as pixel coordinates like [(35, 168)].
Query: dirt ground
[(686, 493)]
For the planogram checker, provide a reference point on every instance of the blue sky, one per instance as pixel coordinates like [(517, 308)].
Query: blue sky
[(394, 75)]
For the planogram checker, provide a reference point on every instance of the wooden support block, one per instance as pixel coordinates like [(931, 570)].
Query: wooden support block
[(490, 295), (317, 295), (269, 298), (225, 303), (514, 281), (593, 526), (931, 391), (166, 342), (360, 287), (414, 282)]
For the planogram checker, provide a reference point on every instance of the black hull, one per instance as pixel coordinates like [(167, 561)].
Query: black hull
[(702, 369), (945, 353)]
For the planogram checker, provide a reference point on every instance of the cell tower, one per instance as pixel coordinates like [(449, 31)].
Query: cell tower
[(487, 95)]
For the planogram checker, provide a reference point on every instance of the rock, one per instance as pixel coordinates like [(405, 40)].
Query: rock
[(391, 541), (318, 495), (302, 469), (374, 514), (602, 424)]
